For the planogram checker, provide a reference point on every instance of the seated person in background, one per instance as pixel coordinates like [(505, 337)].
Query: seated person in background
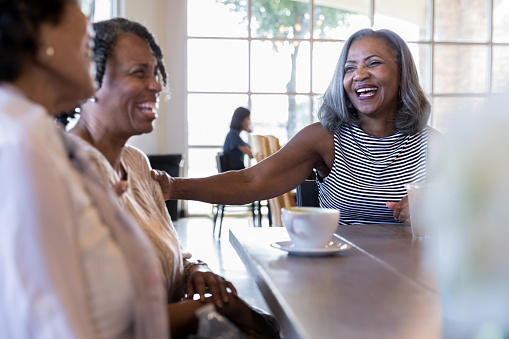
[(234, 147), (130, 70), (372, 139)]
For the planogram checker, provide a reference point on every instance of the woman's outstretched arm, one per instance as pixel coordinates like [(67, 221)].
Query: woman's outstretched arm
[(311, 147)]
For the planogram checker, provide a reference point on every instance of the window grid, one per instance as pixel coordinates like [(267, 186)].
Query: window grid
[(431, 44), (431, 91)]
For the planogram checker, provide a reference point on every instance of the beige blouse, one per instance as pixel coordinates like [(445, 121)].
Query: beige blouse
[(145, 203)]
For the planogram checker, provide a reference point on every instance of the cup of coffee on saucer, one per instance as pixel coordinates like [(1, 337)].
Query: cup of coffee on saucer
[(311, 230)]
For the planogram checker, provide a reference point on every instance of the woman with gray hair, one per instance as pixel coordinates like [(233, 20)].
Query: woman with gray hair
[(372, 139)]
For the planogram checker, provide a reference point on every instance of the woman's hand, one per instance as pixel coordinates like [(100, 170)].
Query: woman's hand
[(202, 278), (164, 180), (255, 323), (120, 187), (401, 210)]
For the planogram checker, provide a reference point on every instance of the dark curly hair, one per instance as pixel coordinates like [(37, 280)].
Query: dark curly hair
[(106, 35), (19, 25)]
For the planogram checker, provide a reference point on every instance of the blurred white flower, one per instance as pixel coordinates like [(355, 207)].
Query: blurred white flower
[(469, 208)]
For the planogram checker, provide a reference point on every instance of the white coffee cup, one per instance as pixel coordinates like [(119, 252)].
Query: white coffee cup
[(310, 227)]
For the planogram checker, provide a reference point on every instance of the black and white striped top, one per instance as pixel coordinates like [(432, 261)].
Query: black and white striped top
[(368, 172)]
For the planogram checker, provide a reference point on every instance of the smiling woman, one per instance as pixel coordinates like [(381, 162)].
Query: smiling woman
[(131, 75), (372, 139)]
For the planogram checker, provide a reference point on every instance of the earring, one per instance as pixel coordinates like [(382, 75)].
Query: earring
[(46, 54), (349, 104), (49, 52), (93, 99)]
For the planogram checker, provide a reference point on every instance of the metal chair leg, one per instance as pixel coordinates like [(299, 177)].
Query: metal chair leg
[(221, 219), (252, 207), (215, 217), (259, 213)]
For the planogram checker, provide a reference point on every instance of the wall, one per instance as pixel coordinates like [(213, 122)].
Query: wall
[(166, 19)]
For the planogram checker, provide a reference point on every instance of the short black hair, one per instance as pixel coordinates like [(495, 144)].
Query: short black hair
[(19, 26), (238, 117)]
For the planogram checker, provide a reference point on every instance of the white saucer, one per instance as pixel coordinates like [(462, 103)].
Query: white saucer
[(332, 248)]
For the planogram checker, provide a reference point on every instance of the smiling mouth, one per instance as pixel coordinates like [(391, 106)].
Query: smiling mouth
[(148, 107), (366, 92)]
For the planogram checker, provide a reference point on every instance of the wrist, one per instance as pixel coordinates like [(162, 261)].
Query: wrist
[(190, 266)]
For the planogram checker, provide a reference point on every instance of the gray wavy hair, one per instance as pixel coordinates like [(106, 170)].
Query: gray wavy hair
[(413, 108)]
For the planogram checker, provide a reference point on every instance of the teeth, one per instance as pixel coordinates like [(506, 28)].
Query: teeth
[(148, 105), (367, 89)]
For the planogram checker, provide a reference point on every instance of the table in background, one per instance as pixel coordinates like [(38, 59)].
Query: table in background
[(383, 287)]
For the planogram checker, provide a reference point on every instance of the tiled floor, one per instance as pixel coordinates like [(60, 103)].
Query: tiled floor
[(196, 236)]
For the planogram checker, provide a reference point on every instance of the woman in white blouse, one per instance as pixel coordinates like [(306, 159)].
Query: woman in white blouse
[(72, 264), (130, 75)]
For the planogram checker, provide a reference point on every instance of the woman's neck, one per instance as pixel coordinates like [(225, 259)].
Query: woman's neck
[(109, 145), (377, 128)]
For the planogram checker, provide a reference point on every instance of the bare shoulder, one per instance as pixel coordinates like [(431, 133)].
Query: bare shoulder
[(313, 134), (315, 140)]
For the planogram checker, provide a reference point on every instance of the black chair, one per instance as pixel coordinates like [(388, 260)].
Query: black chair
[(307, 192), (255, 207), (171, 164)]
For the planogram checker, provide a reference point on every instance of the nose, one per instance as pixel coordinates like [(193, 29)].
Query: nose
[(360, 74), (154, 84)]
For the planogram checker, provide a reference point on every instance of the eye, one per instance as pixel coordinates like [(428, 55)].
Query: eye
[(349, 69), (374, 63), (139, 73)]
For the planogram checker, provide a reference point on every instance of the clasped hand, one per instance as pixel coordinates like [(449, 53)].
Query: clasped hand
[(201, 279), (401, 210)]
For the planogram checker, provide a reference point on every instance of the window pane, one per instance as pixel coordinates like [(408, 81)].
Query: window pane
[(288, 19), (459, 69), (270, 115), (500, 68), (500, 20), (102, 10), (316, 107), (202, 163), (272, 66), (407, 18), (461, 20), (217, 65), (209, 117), (338, 19), (325, 59), (87, 7), (216, 18), (445, 108), (422, 54)]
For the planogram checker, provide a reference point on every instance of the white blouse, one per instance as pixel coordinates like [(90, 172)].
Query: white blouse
[(62, 276), (144, 202)]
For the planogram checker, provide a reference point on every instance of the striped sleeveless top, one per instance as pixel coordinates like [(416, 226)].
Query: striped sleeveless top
[(368, 172)]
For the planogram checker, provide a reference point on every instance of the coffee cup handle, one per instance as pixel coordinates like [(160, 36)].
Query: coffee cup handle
[(292, 230)]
